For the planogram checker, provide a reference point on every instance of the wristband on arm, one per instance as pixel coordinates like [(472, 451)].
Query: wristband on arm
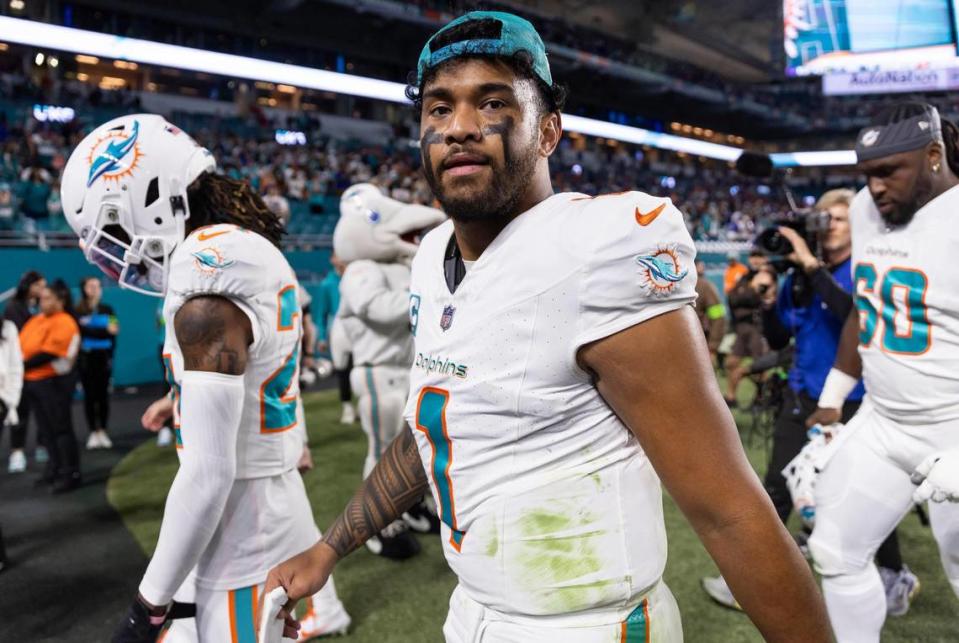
[(836, 389), (716, 311)]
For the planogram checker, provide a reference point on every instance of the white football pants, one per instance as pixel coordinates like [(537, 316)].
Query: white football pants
[(863, 493), (654, 620)]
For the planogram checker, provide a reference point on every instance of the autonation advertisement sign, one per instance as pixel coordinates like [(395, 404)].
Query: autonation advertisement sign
[(883, 82)]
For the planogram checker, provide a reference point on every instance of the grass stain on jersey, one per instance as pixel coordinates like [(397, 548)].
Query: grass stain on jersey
[(492, 545), (555, 555)]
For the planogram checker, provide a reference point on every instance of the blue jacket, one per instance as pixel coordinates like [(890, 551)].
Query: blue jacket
[(817, 330)]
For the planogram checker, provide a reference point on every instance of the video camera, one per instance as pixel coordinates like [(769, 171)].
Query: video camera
[(811, 224)]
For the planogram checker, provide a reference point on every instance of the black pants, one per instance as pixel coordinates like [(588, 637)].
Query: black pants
[(51, 399), (789, 437), (18, 432), (95, 369), (343, 379)]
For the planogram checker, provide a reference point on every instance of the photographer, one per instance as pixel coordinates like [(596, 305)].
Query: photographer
[(744, 301), (811, 307)]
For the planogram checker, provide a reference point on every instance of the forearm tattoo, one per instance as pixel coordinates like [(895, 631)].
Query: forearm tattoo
[(397, 481)]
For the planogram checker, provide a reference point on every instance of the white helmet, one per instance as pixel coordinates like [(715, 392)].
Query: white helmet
[(124, 194), (374, 226)]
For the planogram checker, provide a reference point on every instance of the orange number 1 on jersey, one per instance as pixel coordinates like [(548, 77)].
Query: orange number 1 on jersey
[(431, 420)]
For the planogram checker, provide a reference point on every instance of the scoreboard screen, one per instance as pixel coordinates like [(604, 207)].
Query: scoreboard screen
[(824, 36)]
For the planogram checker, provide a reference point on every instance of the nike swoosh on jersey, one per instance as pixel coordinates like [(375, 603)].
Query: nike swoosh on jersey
[(204, 236), (649, 217)]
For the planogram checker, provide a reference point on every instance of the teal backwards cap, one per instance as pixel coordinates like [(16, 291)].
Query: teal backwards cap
[(492, 33)]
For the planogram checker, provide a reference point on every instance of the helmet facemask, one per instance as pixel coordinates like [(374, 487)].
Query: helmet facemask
[(136, 262)]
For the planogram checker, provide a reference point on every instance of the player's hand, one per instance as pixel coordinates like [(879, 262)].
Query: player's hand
[(938, 478), (305, 462), (801, 253), (157, 414), (825, 417), (764, 283), (303, 575), (142, 623), (308, 362)]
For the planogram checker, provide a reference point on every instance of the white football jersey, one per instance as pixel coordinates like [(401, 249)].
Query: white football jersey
[(907, 293), (549, 505), (250, 271), (373, 313), (259, 527)]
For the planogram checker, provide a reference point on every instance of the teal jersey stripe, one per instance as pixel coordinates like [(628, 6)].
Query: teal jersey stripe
[(635, 627), (243, 615), (376, 411)]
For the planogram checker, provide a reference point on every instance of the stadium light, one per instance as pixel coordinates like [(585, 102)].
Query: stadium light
[(91, 43), (814, 159), (640, 136)]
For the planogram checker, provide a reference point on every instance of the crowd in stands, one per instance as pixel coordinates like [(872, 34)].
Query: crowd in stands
[(303, 183)]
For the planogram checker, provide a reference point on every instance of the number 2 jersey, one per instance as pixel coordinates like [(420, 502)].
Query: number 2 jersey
[(267, 517), (907, 294), (549, 505)]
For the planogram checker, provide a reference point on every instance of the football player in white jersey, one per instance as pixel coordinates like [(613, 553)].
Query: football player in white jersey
[(559, 373), (150, 212), (904, 342)]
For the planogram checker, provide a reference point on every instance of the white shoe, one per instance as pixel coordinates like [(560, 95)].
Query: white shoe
[(105, 441), (17, 463), (349, 414), (313, 625), (164, 437), (719, 591), (93, 442)]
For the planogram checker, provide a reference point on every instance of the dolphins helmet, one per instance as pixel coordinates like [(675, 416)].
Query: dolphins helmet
[(124, 193), (374, 226)]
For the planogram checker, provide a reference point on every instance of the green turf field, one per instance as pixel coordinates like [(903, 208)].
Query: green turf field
[(408, 601)]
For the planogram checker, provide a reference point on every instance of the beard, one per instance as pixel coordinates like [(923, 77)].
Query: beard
[(899, 216), (498, 198), (922, 194)]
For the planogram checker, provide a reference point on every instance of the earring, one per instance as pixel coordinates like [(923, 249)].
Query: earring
[(936, 168)]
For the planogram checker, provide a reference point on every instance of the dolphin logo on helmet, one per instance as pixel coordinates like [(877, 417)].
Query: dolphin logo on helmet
[(109, 159)]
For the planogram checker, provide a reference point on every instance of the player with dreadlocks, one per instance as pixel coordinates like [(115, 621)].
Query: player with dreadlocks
[(215, 198), (151, 213), (906, 330)]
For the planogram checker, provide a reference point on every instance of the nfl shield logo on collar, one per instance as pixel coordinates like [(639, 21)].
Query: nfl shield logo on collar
[(447, 319)]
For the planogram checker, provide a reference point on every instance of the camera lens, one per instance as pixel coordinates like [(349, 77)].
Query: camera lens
[(771, 242)]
